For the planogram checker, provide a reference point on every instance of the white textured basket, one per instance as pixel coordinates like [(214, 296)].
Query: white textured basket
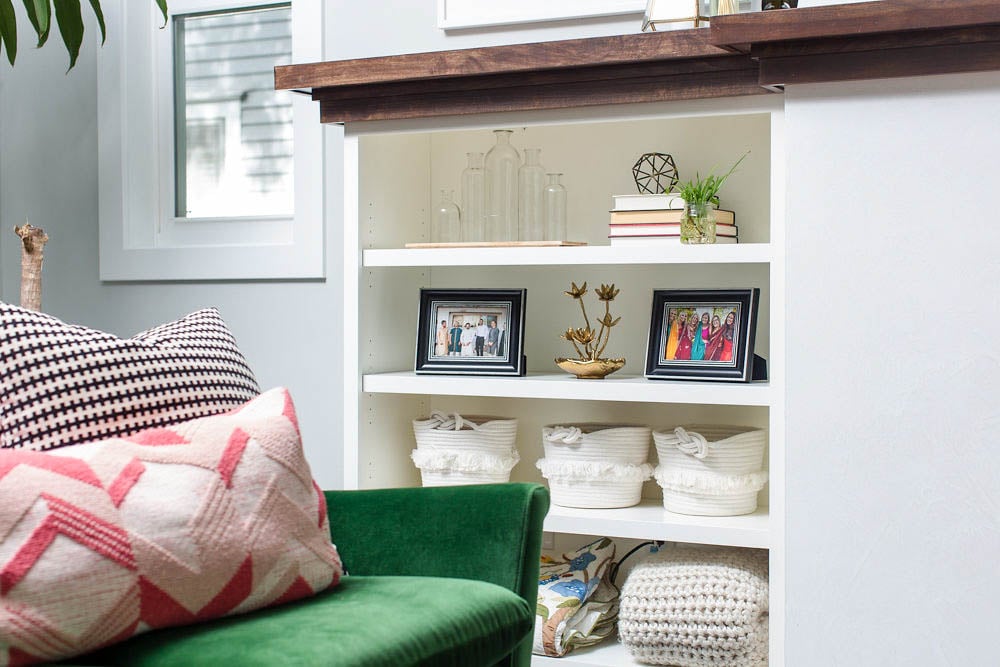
[(454, 450), (594, 484), (618, 443), (711, 470), (460, 478)]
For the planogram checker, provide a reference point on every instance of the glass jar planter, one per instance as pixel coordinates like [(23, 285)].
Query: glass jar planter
[(698, 223)]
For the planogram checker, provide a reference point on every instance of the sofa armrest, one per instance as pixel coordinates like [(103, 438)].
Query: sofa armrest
[(489, 532)]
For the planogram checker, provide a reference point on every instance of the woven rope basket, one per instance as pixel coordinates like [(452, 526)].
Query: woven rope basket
[(711, 470), (455, 450), (595, 465), (618, 443)]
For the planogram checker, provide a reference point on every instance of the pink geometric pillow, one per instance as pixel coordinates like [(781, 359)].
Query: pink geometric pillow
[(105, 540)]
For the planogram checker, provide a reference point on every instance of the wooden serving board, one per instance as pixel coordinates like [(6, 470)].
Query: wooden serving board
[(497, 244)]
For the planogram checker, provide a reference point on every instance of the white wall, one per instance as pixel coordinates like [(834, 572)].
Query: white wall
[(893, 377)]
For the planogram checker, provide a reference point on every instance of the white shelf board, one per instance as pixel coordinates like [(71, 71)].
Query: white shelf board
[(608, 653), (649, 521), (563, 386), (738, 253)]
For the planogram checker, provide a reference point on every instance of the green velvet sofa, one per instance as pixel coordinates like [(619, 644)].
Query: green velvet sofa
[(437, 576)]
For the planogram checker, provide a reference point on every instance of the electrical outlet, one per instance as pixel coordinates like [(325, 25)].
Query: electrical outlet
[(548, 540)]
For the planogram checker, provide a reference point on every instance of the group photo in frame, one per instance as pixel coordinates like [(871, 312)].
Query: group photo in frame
[(471, 332), (704, 335)]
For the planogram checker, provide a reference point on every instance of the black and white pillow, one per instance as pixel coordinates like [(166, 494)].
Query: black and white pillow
[(63, 384)]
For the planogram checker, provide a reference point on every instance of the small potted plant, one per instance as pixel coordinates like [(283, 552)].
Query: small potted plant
[(701, 196)]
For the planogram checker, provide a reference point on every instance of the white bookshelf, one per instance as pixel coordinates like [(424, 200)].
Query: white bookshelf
[(743, 253), (649, 521), (608, 653), (392, 174), (561, 386)]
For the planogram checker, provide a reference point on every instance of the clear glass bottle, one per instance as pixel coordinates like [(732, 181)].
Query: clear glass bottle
[(447, 220), (554, 201), (530, 195), (502, 163), (474, 199)]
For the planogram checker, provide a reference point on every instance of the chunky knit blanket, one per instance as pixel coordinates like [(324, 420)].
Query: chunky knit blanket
[(694, 607)]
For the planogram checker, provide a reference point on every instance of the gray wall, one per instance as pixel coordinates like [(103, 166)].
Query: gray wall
[(290, 331)]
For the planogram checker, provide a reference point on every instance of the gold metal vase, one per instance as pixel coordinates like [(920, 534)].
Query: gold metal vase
[(590, 369)]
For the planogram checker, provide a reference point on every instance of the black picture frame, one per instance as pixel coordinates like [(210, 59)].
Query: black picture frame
[(726, 353), (498, 309)]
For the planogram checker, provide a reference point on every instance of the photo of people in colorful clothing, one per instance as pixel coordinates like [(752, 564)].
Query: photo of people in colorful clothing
[(464, 330), (702, 334)]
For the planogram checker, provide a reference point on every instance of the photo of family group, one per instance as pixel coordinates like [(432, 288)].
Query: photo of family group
[(704, 334), (470, 330), (700, 333)]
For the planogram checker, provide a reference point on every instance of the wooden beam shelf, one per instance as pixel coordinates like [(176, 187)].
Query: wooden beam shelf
[(741, 54)]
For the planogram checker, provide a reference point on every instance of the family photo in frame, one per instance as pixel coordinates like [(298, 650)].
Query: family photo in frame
[(704, 335), (471, 332)]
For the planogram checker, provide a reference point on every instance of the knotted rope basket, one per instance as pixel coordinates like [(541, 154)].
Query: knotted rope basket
[(595, 465), (453, 449), (711, 470)]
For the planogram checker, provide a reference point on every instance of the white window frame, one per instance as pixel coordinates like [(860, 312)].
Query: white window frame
[(456, 14), (140, 236)]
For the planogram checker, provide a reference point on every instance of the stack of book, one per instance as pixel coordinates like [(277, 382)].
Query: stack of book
[(645, 219)]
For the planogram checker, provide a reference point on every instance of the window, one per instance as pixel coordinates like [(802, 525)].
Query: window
[(209, 173)]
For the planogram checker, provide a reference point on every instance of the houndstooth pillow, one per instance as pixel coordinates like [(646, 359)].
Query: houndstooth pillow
[(63, 384)]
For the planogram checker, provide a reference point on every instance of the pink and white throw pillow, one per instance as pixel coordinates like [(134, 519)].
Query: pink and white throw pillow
[(64, 384), (105, 540)]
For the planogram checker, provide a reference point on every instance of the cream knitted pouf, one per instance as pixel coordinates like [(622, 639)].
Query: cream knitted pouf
[(693, 607)]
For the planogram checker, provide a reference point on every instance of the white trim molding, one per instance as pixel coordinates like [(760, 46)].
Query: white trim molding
[(455, 14), (140, 238)]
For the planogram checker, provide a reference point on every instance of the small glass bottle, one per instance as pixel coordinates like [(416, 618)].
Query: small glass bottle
[(554, 199), (447, 220), (502, 163), (530, 195), (474, 199)]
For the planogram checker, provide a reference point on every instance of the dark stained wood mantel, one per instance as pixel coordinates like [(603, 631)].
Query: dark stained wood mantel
[(644, 67), (743, 54), (869, 40)]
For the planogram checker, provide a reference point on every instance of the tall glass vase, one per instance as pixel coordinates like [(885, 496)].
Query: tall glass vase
[(554, 203), (502, 163), (474, 199), (530, 193), (447, 220)]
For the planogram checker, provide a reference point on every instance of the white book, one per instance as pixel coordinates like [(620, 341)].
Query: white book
[(646, 241), (666, 201)]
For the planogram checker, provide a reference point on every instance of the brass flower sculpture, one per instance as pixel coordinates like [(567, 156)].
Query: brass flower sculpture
[(589, 343)]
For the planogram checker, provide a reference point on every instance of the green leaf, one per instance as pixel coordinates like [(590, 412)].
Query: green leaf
[(70, 27), (8, 29), (542, 610), (39, 13), (96, 4), (162, 4), (572, 602)]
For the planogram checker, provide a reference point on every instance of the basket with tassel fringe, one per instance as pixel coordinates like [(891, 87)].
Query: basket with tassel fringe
[(711, 470), (594, 484), (453, 449), (595, 465)]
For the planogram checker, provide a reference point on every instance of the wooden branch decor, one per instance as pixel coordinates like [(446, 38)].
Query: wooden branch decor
[(33, 240)]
